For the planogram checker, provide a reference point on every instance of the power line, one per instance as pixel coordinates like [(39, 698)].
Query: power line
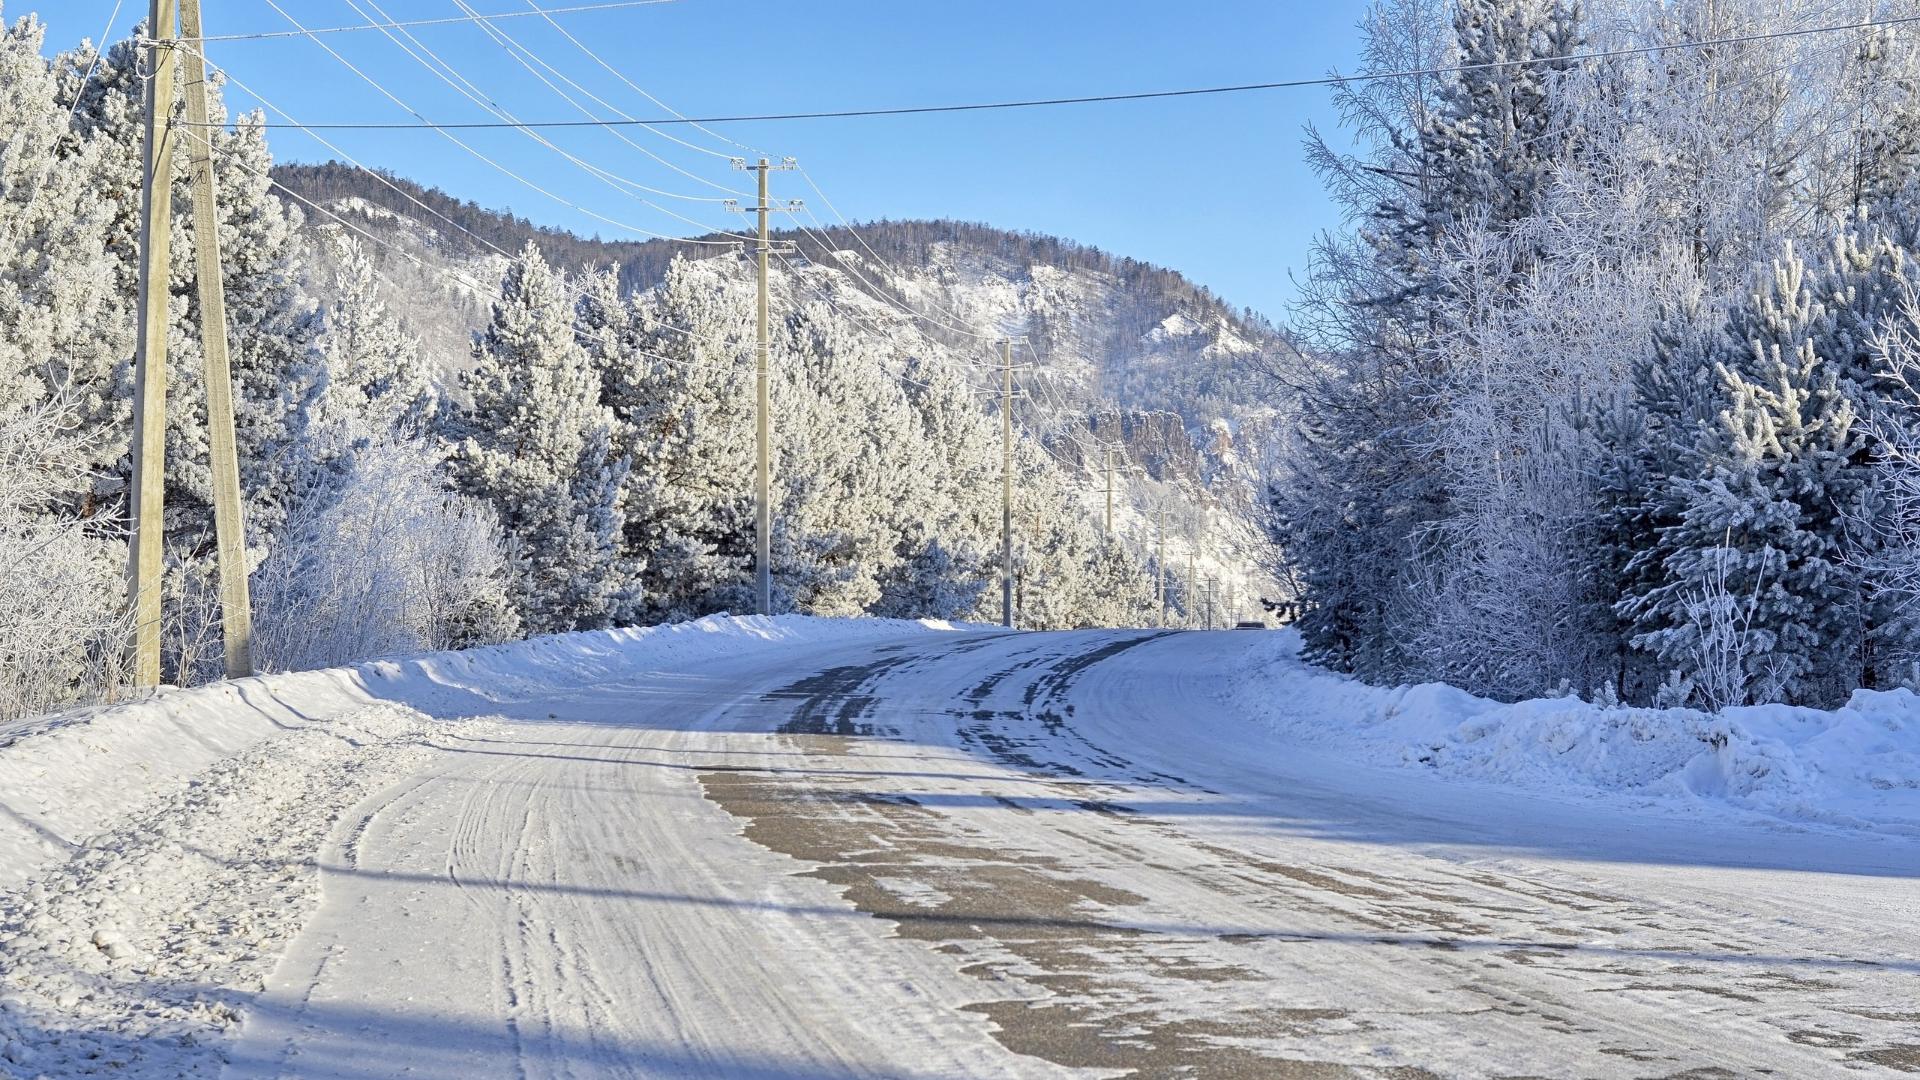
[(857, 319), (1151, 95), (99, 50), (79, 95), (514, 47), (880, 293), (453, 77), (610, 5), (618, 74), (861, 240), (521, 53), (480, 288), (382, 178), (450, 137)]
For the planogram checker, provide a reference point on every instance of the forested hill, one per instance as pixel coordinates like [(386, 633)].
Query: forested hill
[(1119, 332), (470, 228), (1125, 356)]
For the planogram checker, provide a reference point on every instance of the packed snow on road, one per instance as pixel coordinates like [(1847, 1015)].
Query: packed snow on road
[(798, 847)]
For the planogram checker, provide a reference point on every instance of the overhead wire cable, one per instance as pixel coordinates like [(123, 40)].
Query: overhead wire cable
[(457, 141), (452, 76), (1151, 95), (820, 292), (477, 287), (548, 14), (522, 54), (574, 9), (79, 93), (386, 181), (855, 233), (881, 294), (506, 41)]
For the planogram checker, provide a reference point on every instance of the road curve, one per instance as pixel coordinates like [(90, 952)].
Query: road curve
[(1034, 855)]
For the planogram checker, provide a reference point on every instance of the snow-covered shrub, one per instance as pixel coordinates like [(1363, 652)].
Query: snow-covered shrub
[(62, 628), (1722, 656), (385, 559)]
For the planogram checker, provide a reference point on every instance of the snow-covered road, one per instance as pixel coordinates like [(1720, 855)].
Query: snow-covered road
[(981, 854)]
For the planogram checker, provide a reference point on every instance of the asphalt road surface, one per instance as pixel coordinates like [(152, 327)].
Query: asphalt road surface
[(1032, 855)]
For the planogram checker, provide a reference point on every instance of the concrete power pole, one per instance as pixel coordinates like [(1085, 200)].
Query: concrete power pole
[(1160, 568), (1109, 494), (763, 397), (1006, 484), (1186, 596), (145, 553), (229, 516)]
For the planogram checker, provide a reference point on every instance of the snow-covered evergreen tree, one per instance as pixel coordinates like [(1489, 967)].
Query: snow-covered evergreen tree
[(536, 444), (684, 398), (1761, 501), (373, 367)]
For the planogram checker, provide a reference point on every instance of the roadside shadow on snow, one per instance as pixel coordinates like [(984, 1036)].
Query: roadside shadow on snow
[(696, 767), (988, 922), (343, 1043), (324, 1041)]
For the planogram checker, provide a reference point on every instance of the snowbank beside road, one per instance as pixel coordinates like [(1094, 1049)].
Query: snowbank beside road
[(157, 857), (1857, 766), (67, 778)]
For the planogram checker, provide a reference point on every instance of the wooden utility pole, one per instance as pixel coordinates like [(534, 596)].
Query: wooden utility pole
[(1006, 484), (145, 562), (762, 421), (144, 565), (763, 396), (229, 515)]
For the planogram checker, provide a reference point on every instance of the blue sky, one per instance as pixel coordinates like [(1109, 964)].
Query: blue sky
[(1210, 186)]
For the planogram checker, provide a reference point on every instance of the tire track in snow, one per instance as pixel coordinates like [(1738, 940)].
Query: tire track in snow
[(1097, 898)]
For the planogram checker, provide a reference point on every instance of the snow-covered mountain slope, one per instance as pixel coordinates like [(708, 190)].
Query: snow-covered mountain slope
[(1124, 357)]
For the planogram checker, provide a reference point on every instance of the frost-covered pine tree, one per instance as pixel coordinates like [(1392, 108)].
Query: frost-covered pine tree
[(374, 373), (855, 480), (1761, 501), (46, 227), (536, 445), (948, 560), (1493, 135), (683, 394), (61, 628)]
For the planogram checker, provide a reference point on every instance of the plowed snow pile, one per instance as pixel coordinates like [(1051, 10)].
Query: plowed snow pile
[(1856, 767)]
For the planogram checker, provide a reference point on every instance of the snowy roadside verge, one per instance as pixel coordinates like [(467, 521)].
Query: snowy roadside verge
[(143, 948), (67, 778), (1855, 767), (165, 852)]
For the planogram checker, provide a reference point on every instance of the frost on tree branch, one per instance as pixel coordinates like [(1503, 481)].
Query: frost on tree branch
[(1895, 429), (62, 629), (385, 559)]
